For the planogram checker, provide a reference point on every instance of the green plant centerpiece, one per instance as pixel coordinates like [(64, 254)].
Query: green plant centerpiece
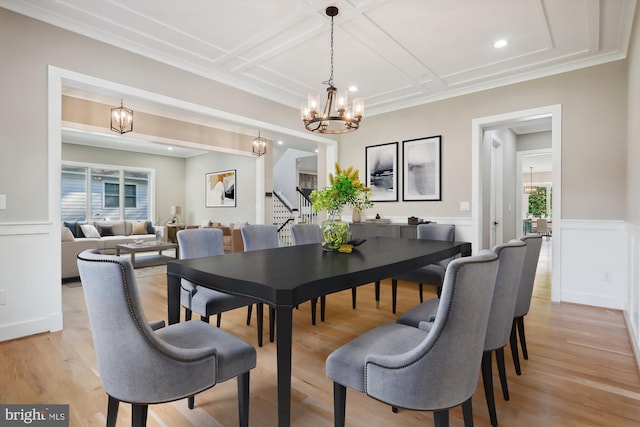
[(344, 189)]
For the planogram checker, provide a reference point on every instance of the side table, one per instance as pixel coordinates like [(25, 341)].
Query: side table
[(172, 232)]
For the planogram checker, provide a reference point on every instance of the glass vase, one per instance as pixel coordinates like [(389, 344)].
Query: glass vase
[(335, 233)]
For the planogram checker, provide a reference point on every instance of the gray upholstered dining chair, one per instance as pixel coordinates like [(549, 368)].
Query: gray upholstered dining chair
[(523, 302), (256, 237), (433, 370), (142, 365), (432, 274), (204, 242), (511, 256)]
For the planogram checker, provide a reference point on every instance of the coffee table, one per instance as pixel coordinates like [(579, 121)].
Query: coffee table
[(134, 248)]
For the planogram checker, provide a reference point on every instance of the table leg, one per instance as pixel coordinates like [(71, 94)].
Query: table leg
[(173, 299), (284, 324), (133, 259)]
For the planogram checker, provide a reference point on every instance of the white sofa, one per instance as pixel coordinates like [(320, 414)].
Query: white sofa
[(123, 232)]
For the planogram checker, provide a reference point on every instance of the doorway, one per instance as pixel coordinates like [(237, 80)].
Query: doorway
[(481, 173)]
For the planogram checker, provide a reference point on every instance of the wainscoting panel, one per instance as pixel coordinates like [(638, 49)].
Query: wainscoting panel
[(632, 310), (30, 285), (594, 263)]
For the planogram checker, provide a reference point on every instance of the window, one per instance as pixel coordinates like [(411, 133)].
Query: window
[(93, 192), (112, 195)]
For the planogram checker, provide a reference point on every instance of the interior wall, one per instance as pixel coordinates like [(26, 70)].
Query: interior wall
[(194, 190), (593, 110), (633, 186)]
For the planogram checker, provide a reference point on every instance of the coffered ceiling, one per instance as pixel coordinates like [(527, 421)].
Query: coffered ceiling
[(398, 53)]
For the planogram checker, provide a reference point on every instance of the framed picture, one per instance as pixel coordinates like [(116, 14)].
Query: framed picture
[(381, 169), (220, 189), (421, 169)]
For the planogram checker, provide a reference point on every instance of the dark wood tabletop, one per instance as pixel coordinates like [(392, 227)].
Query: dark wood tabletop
[(285, 277)]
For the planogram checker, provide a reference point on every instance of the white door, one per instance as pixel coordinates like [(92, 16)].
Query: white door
[(496, 212)]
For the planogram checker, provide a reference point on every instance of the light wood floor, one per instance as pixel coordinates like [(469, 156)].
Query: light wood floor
[(580, 372)]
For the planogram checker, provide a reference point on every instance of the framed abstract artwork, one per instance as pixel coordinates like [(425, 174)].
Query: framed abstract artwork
[(381, 169), (220, 189), (421, 169)]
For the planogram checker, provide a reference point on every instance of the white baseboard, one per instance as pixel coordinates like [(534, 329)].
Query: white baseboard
[(31, 327)]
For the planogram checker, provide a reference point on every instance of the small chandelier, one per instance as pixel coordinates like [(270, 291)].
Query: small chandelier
[(530, 189), (259, 146), (121, 119), (336, 116)]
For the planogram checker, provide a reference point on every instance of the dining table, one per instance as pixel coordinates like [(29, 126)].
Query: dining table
[(285, 277)]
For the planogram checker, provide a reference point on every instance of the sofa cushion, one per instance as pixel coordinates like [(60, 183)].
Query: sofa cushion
[(66, 235), (75, 229), (140, 227), (90, 231), (104, 230)]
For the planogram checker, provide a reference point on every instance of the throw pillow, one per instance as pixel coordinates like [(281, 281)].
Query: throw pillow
[(105, 230), (205, 223), (150, 229), (66, 234), (73, 227), (90, 231), (140, 227)]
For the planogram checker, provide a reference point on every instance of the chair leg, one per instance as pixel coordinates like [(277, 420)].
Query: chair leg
[(259, 315), (314, 303), (191, 401), (441, 418), (353, 297), (502, 373), (323, 306), (467, 413), (112, 411), (272, 323), (513, 341), (394, 295), (218, 319), (187, 314), (523, 340), (243, 399), (487, 380), (339, 404), (394, 409), (377, 288), (421, 296), (249, 312), (139, 415)]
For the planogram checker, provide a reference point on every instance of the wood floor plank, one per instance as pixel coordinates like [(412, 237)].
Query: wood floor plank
[(581, 369)]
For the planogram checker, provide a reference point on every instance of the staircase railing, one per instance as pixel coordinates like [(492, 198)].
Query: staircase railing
[(306, 213), (284, 214)]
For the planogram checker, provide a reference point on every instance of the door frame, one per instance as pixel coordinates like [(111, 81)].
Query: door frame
[(478, 126)]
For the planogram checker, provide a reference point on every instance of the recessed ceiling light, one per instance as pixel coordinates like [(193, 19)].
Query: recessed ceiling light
[(316, 150), (170, 148), (353, 88), (280, 142), (499, 44)]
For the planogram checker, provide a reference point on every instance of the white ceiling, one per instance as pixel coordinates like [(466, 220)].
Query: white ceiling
[(399, 53)]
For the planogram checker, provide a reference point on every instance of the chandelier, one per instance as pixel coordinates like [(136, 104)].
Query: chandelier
[(530, 189), (336, 117), (259, 146), (121, 119)]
